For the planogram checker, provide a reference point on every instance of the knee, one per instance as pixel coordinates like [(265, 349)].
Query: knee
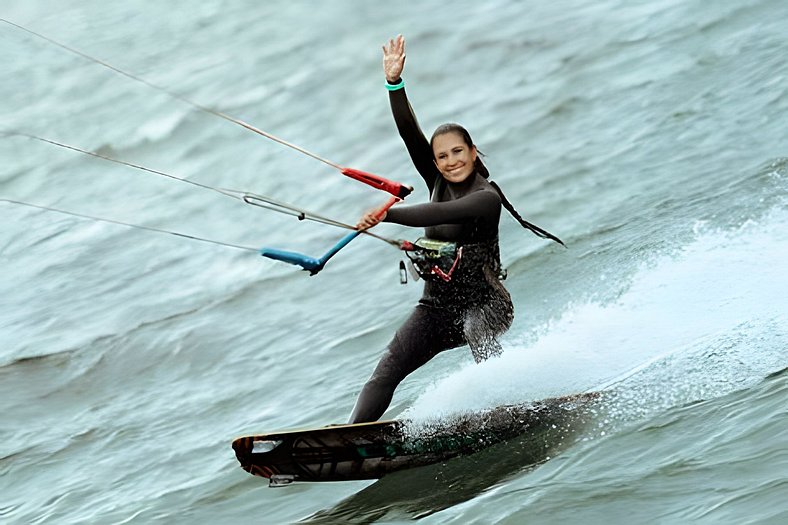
[(385, 376), (379, 382)]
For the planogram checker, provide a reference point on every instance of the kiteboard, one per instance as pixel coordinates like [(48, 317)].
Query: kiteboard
[(372, 450)]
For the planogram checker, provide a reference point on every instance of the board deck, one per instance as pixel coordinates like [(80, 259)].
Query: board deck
[(372, 450)]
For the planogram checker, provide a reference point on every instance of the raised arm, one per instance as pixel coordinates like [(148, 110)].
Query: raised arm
[(417, 144)]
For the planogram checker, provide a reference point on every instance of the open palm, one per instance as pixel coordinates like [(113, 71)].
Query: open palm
[(394, 58)]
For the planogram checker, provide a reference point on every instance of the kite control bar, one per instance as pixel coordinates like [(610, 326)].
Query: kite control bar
[(314, 265)]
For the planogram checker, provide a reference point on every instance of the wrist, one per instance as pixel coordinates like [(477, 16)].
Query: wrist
[(395, 85)]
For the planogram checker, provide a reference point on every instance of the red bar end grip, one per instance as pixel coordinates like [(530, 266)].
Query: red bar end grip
[(376, 181)]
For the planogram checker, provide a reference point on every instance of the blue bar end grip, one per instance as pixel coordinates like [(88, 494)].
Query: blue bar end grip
[(304, 261)]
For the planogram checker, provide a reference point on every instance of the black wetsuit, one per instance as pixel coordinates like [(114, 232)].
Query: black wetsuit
[(473, 307)]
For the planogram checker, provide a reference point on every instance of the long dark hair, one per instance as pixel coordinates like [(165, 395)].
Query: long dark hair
[(482, 170)]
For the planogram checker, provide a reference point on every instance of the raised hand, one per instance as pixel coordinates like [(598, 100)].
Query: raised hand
[(394, 58)]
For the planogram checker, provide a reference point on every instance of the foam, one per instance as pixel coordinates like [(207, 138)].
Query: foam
[(722, 283)]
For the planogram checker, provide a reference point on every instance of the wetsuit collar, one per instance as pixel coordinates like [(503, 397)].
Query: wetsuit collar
[(460, 189)]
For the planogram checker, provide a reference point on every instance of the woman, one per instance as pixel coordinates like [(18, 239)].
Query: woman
[(471, 306)]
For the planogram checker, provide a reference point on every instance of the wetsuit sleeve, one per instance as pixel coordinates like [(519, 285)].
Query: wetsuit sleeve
[(485, 205), (417, 144)]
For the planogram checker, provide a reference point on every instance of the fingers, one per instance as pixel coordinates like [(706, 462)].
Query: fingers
[(390, 48), (370, 219), (366, 222), (395, 46), (394, 58), (399, 46), (364, 225)]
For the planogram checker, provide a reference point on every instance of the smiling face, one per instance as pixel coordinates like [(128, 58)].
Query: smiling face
[(454, 158)]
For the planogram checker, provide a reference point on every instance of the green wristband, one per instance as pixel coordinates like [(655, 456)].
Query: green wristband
[(395, 87)]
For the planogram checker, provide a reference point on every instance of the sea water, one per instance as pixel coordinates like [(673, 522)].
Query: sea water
[(652, 137)]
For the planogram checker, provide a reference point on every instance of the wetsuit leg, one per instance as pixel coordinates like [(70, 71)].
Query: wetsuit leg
[(427, 332)]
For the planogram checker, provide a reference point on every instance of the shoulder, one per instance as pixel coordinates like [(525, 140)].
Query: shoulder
[(485, 193), (483, 201)]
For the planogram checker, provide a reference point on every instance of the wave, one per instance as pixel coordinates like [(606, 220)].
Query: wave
[(55, 358), (716, 306), (705, 447), (248, 289)]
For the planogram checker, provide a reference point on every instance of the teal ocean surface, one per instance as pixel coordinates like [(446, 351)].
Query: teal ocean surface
[(652, 137)]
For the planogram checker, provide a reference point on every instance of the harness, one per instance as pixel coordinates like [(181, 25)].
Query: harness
[(434, 260)]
